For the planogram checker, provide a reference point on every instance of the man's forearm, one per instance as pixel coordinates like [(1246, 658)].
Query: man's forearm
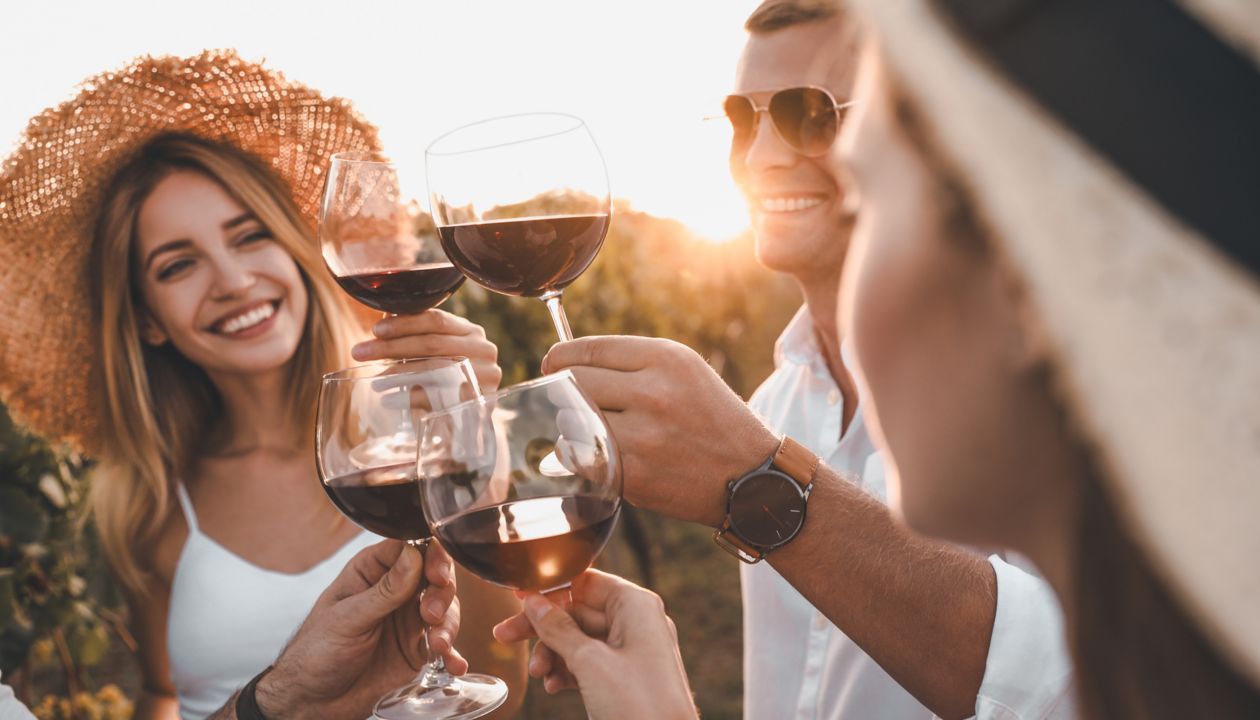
[(228, 711), (269, 696), (921, 609)]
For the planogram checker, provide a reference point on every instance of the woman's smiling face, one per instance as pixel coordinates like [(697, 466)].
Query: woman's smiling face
[(214, 282)]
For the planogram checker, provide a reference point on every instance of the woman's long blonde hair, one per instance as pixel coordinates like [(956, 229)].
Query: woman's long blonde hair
[(158, 407)]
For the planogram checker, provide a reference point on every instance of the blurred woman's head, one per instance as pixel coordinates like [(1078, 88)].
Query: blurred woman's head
[(1010, 298), (949, 353)]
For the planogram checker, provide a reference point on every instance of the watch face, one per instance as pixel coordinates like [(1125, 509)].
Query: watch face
[(767, 509)]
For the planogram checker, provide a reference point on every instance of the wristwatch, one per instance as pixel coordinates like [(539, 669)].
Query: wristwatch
[(247, 700), (765, 508)]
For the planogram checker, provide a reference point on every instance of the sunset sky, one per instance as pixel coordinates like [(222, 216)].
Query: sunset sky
[(642, 74)]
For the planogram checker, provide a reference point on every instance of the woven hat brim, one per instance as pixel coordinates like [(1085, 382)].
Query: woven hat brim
[(51, 190), (1157, 335)]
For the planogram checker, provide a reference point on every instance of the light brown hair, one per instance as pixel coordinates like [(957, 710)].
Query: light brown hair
[(1137, 652), (778, 14), (160, 409)]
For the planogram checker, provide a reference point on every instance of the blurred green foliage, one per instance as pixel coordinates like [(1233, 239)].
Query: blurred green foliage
[(55, 598)]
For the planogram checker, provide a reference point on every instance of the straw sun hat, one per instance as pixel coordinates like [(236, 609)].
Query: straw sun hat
[(51, 189), (1115, 149)]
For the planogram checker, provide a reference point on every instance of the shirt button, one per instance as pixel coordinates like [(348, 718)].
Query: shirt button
[(820, 621), (833, 397)]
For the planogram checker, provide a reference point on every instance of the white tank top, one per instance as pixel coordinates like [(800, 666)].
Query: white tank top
[(229, 618)]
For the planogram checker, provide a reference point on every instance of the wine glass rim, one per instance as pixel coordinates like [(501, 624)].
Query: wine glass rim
[(365, 157), (576, 124), (355, 372), (501, 393)]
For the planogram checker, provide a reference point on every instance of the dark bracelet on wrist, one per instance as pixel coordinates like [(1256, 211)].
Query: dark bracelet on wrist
[(247, 701)]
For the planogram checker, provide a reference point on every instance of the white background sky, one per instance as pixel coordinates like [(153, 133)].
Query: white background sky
[(642, 73)]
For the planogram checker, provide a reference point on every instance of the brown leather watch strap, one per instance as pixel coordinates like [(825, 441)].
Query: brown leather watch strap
[(796, 462), (791, 459), (731, 543)]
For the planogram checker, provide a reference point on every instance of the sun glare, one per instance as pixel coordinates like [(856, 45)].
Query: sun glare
[(642, 75)]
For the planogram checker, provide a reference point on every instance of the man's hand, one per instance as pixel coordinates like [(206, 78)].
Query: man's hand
[(363, 637), (618, 648), (682, 433), (434, 333)]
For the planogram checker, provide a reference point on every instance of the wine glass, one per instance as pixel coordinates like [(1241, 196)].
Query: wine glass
[(522, 487), (374, 484), (369, 243), (371, 248), (521, 203)]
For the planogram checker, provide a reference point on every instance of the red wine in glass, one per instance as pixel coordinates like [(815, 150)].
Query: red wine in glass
[(384, 500), (535, 544), (544, 165), (527, 257), (406, 291)]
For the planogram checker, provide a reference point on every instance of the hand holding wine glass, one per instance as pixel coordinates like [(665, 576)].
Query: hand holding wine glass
[(674, 418), (521, 203), (434, 333), (616, 645), (366, 457), (362, 636)]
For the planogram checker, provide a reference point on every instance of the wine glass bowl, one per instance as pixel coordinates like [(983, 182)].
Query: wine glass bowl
[(521, 204), (365, 444), (522, 487), (370, 243)]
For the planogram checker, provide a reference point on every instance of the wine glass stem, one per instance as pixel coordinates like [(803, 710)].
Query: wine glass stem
[(561, 595), (434, 672), (552, 300)]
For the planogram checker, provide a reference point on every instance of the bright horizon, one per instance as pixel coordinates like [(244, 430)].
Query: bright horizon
[(642, 75)]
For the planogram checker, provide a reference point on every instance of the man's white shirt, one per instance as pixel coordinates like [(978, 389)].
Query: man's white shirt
[(799, 666)]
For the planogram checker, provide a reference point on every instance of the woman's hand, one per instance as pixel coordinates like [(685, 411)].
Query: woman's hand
[(616, 645), (434, 333)]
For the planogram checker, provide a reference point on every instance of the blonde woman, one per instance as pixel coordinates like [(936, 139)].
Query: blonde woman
[(178, 193)]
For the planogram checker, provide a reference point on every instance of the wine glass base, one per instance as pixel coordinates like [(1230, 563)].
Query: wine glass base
[(462, 698)]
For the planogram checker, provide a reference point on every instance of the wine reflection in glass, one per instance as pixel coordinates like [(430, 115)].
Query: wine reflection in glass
[(522, 487), (521, 203), (375, 485)]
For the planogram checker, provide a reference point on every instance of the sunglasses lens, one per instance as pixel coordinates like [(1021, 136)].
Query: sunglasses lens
[(805, 118), (743, 117)]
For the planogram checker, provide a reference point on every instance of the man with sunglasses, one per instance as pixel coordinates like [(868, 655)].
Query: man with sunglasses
[(924, 628)]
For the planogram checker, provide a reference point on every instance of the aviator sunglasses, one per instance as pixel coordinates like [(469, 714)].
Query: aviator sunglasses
[(806, 118)]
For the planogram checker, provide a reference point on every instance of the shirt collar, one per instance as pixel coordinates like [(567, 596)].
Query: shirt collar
[(798, 344)]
